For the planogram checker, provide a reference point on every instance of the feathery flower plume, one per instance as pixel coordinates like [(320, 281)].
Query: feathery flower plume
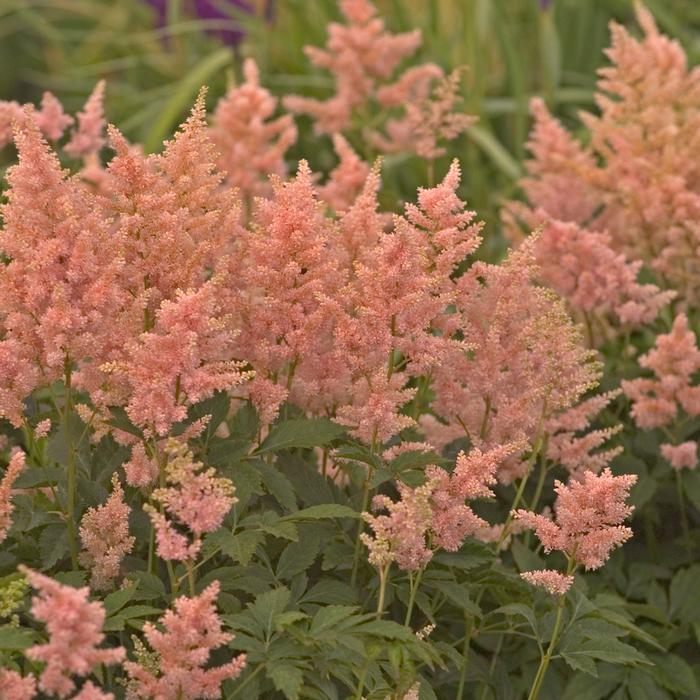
[(674, 359), (15, 687), (190, 633), (433, 515), (74, 625), (250, 142), (346, 180), (140, 469), (427, 120), (59, 287), (88, 139), (588, 518), (195, 498), (13, 470), (552, 581), (683, 456), (104, 532), (565, 445), (51, 118), (359, 55), (521, 361)]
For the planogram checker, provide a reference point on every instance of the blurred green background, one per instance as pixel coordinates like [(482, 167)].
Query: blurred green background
[(153, 65)]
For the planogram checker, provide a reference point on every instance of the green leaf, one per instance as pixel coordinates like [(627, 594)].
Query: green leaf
[(458, 595), (609, 650), (674, 674), (39, 476), (240, 547), (278, 485), (53, 544), (15, 638), (287, 678), (327, 618), (684, 595), (312, 432), (267, 607), (522, 610), (118, 599), (321, 512), (331, 592), (387, 630), (298, 557), (581, 663)]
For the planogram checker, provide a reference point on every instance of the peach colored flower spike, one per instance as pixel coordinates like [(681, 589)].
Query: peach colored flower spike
[(552, 581), (74, 625), (13, 470), (588, 518), (104, 532), (184, 642)]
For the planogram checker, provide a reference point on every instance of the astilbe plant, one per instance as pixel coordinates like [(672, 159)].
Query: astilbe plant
[(228, 393)]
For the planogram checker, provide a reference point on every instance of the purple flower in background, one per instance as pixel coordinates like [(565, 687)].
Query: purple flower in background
[(215, 10), (545, 4)]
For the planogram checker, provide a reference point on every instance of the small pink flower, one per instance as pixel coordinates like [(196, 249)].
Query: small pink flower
[(16, 465), (683, 456), (552, 581), (74, 625)]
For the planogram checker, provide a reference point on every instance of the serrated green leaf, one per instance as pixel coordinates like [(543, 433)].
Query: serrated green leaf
[(327, 618), (240, 546), (278, 485), (53, 544), (297, 557), (458, 595), (581, 663), (286, 678), (118, 599), (15, 638), (320, 512), (300, 433)]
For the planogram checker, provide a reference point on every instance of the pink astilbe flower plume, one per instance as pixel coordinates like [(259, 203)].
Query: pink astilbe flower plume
[(567, 447), (434, 515), (588, 518), (184, 643), (182, 361), (251, 143), (682, 456), (346, 180), (674, 360), (521, 360), (74, 625), (429, 119), (104, 532), (90, 691), (15, 687), (51, 118), (290, 270), (194, 498), (60, 286), (358, 55), (552, 581), (14, 468), (88, 139)]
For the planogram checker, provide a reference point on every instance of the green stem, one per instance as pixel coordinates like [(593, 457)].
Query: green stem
[(191, 579), (684, 514), (547, 656), (360, 528), (415, 582), (468, 623), (383, 580), (71, 469)]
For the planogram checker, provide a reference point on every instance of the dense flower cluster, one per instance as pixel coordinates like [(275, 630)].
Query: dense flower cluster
[(634, 185), (674, 360), (104, 532), (74, 626), (190, 633), (434, 515), (588, 518)]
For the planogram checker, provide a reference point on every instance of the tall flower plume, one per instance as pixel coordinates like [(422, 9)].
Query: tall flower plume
[(588, 518), (104, 532), (184, 642), (13, 470), (74, 625)]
